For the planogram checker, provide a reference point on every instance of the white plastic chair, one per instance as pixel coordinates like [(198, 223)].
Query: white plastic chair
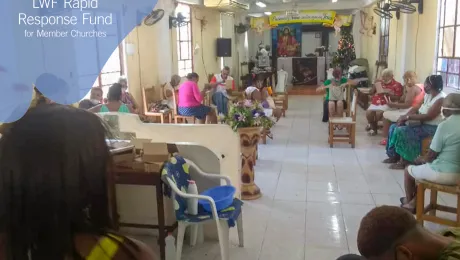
[(174, 175)]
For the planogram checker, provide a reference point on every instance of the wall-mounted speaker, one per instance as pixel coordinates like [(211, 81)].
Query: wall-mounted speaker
[(224, 47)]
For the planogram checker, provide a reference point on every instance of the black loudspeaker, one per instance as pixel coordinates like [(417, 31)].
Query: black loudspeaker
[(224, 47)]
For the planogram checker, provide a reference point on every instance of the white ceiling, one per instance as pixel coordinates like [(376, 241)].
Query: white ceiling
[(279, 5)]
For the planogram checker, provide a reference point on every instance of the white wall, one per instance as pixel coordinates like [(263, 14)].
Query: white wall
[(333, 41), (310, 43), (254, 40)]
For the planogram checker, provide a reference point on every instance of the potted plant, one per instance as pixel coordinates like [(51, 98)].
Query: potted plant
[(248, 119)]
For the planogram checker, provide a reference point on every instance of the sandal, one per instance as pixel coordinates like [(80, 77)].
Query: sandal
[(398, 166), (372, 133), (403, 200), (383, 142), (368, 127), (409, 208), (390, 160)]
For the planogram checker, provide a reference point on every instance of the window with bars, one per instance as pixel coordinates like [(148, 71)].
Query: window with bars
[(384, 39), (111, 72), (448, 54), (184, 42)]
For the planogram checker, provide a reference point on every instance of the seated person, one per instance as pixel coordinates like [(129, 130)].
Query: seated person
[(95, 99), (114, 103), (127, 98), (412, 97), (220, 97), (392, 90), (258, 93), (54, 189), (335, 93), (190, 98), (392, 233), (405, 137), (442, 163), (168, 90)]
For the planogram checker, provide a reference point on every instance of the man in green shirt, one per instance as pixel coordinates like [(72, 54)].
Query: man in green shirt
[(392, 233)]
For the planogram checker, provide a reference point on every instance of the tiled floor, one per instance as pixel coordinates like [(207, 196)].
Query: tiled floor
[(313, 196)]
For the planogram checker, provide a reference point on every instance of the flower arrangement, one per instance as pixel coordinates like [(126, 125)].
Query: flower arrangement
[(248, 114)]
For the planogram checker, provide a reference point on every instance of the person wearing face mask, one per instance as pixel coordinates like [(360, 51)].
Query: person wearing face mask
[(127, 98), (335, 94), (391, 89), (405, 137), (442, 163), (412, 97), (392, 233), (94, 99)]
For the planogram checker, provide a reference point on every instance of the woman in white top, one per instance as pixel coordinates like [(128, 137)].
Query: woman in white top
[(168, 91), (260, 94), (405, 137)]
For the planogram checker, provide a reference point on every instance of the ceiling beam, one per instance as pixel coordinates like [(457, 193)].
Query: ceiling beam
[(367, 3)]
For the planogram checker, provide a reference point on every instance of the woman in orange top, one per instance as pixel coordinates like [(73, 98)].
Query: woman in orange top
[(413, 97)]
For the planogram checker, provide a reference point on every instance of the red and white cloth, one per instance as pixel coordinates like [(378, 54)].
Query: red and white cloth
[(378, 101)]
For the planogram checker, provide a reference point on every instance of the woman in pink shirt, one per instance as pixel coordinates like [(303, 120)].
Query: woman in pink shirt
[(190, 98)]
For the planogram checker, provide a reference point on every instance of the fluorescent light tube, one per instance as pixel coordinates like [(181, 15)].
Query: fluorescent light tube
[(260, 4), (268, 13)]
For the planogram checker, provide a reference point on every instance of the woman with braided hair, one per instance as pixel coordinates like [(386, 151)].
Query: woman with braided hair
[(405, 137)]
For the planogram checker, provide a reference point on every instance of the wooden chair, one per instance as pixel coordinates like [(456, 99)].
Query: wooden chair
[(147, 97), (350, 125), (281, 101), (179, 118), (428, 213)]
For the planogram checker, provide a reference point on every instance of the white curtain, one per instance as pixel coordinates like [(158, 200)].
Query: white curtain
[(356, 34)]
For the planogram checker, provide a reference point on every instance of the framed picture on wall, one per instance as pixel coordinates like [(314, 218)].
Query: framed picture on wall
[(287, 39), (317, 35)]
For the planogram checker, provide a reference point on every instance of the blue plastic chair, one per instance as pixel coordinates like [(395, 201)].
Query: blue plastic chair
[(176, 174)]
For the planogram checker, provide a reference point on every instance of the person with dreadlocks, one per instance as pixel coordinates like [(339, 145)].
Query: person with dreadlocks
[(392, 233)]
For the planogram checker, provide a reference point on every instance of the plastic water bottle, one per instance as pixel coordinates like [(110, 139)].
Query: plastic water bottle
[(192, 203), (170, 250)]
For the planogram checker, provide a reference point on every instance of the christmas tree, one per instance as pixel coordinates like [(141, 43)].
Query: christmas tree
[(345, 50)]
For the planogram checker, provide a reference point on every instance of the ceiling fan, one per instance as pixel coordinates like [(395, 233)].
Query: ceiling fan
[(152, 18), (385, 7)]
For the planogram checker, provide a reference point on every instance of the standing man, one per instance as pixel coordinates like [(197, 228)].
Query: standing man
[(220, 97)]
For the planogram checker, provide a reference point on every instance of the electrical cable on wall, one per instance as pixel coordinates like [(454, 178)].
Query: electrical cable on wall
[(396, 42), (202, 52), (202, 42)]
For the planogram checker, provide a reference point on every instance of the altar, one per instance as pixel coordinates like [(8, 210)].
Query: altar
[(306, 71)]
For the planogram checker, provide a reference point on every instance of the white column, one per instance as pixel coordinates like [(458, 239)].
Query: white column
[(356, 34), (163, 43), (402, 57)]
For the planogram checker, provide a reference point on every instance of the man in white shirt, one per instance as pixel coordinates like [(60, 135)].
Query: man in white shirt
[(220, 97)]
